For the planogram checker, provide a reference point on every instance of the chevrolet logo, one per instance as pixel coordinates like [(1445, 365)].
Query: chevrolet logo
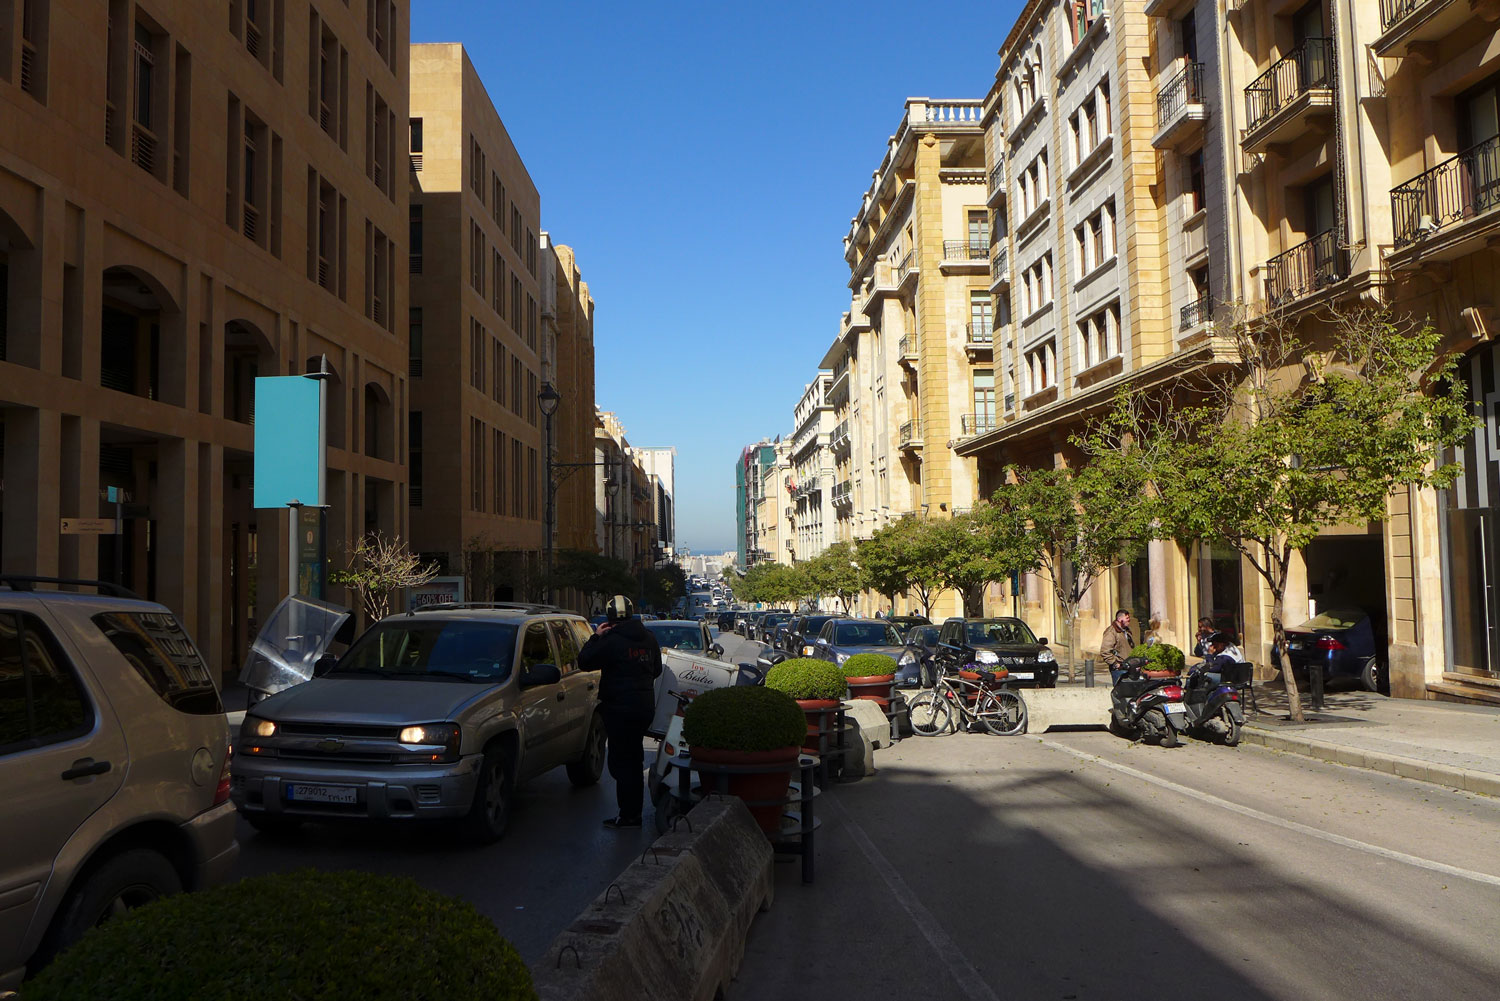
[(329, 745)]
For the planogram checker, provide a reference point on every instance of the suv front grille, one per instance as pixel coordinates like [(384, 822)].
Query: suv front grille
[(353, 730), (353, 756)]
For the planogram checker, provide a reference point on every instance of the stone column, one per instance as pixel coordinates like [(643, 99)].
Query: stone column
[(175, 507), (32, 531)]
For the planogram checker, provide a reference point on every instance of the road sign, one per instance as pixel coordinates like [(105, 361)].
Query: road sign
[(88, 526)]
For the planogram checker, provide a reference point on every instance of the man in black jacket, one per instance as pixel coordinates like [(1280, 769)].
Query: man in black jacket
[(628, 660)]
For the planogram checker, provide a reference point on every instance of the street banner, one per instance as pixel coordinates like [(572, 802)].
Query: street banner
[(288, 441)]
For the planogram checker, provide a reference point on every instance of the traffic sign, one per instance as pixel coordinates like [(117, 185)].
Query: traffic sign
[(88, 526)]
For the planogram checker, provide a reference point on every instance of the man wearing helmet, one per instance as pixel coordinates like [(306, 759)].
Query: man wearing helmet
[(628, 660)]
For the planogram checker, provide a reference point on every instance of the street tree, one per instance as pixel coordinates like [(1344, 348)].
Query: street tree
[(835, 573), (968, 551), (897, 560), (664, 585), (1074, 525), (378, 567), (1308, 436), (593, 574)]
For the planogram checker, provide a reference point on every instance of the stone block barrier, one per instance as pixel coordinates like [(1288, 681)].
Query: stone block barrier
[(672, 927), (1072, 706)]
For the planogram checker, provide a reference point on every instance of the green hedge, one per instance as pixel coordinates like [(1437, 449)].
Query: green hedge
[(807, 678), (1161, 657), (866, 665), (294, 936), (743, 718)]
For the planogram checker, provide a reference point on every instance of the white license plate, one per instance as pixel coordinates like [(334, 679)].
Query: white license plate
[(1023, 675), (1174, 707), (303, 793)]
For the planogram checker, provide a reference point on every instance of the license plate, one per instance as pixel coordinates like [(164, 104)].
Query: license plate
[(1022, 675), (1294, 646), (1173, 707), (303, 793)]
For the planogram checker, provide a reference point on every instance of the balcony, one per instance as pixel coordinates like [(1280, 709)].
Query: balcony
[(843, 494), (906, 351), (1450, 197), (973, 424), (1306, 268), (1415, 27), (997, 180), (979, 338), (838, 440), (1284, 100), (1000, 266), (840, 377), (1196, 313), (1181, 109), (966, 256), (906, 269), (910, 435)]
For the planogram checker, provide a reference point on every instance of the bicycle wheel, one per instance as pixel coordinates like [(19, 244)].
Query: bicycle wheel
[(930, 714), (1003, 712)]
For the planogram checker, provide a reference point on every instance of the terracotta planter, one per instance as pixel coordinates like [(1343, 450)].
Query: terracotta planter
[(821, 717), (877, 688), (1160, 674), (768, 789)]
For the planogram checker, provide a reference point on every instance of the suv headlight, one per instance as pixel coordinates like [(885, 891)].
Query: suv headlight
[(839, 658), (1045, 656), (444, 735), (808, 650), (907, 659), (255, 727)]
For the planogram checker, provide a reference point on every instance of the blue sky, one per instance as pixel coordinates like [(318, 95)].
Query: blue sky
[(704, 160)]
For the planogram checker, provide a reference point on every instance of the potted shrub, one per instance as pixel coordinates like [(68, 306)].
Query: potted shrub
[(1163, 660), (747, 725), (304, 935), (871, 676), (819, 688)]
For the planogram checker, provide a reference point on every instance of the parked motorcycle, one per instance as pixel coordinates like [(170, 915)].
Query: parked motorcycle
[(1210, 710), (1143, 708), (671, 751)]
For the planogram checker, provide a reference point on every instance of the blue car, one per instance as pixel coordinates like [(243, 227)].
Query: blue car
[(1345, 642)]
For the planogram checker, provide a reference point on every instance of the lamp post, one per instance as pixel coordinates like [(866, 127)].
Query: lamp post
[(547, 399)]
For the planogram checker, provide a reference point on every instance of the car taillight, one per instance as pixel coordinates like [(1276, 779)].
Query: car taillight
[(1171, 691), (1328, 643), (221, 793)]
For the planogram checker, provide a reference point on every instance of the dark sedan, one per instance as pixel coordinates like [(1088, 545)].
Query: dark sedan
[(803, 634), (681, 634), (840, 639), (1344, 641), (906, 622), (1022, 654), (765, 629), (921, 646)]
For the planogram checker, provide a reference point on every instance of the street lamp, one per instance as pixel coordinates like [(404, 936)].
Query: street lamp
[(548, 399)]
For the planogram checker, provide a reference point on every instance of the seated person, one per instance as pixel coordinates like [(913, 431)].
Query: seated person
[(1221, 652), (1200, 639)]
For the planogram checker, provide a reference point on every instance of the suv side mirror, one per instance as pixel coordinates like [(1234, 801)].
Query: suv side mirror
[(717, 650), (324, 664), (1041, 641), (540, 674)]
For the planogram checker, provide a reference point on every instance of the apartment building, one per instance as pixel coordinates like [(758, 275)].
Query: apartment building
[(633, 505), (754, 480), (660, 464), (568, 366), (475, 349), (811, 485), (215, 196)]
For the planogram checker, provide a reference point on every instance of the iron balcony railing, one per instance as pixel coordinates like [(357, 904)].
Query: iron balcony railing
[(1306, 268), (1461, 187), (1000, 260), (1200, 310), (972, 424), (907, 346), (840, 434), (966, 250), (997, 176), (911, 431), (1186, 88), (841, 492), (1392, 11), (1306, 68), (981, 332), (904, 268), (840, 368)]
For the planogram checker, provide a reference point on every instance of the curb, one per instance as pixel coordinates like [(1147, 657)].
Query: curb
[(672, 927), (1450, 776)]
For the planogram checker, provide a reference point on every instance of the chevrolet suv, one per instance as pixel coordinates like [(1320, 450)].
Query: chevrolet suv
[(438, 713), (114, 764), (1029, 660)]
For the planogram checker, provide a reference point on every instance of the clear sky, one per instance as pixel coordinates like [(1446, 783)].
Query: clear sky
[(704, 160)]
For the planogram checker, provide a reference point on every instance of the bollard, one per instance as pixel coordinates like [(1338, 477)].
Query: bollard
[(1088, 672)]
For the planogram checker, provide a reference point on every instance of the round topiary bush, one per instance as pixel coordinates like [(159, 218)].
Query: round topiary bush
[(869, 665), (294, 936), (743, 718), (1160, 657), (807, 678)]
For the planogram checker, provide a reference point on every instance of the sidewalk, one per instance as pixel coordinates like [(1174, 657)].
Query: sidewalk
[(1452, 745)]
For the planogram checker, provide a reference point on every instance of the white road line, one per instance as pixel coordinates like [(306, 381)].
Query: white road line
[(968, 978), (1289, 825)]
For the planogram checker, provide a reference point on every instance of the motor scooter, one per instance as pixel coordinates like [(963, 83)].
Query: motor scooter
[(671, 751), (1211, 710), (1143, 708)]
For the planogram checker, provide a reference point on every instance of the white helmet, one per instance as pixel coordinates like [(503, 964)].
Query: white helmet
[(619, 608)]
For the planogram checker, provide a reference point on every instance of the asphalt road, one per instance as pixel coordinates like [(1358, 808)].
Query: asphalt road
[(1075, 865)]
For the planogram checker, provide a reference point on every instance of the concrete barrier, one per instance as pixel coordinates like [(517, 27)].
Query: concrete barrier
[(871, 731), (672, 927), (1072, 706)]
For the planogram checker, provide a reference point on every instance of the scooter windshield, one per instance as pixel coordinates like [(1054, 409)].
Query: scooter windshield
[(299, 631)]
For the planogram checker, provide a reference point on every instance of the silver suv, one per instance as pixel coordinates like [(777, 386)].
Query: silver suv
[(114, 764), (437, 713)]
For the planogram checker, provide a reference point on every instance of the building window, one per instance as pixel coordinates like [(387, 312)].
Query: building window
[(517, 487), (984, 401), (35, 15), (531, 480), (380, 26), (1099, 336), (1036, 284), (414, 238), (477, 253), (531, 252), (1196, 200), (326, 252), (497, 457), (476, 464), (497, 283), (378, 152), (1089, 125), (414, 141), (1094, 239), (414, 342), (981, 317), (515, 303), (979, 229), (531, 323), (380, 276), (1033, 185), (531, 404), (515, 229), (329, 100), (414, 457), (1083, 15), (477, 171), (1041, 367), (497, 369), (515, 385), (476, 355)]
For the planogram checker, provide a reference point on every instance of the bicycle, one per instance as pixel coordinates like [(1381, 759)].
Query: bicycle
[(978, 697)]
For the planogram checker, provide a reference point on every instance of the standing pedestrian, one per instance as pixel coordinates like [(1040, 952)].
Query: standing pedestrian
[(1117, 643), (628, 660)]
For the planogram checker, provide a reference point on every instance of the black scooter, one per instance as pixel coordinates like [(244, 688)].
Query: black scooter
[(1214, 711), (1143, 708)]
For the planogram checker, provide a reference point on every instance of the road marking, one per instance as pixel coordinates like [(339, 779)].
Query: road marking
[(962, 971), (1289, 825)]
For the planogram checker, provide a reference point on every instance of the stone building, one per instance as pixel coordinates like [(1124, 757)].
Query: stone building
[(811, 487), (476, 353), (216, 196), (568, 341)]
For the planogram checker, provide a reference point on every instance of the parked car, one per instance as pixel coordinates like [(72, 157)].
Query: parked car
[(905, 622), (778, 638), (114, 765), (726, 622), (1345, 641), (803, 633), (840, 639), (920, 648), (440, 713), (681, 634), (742, 621), (765, 629), (1021, 653)]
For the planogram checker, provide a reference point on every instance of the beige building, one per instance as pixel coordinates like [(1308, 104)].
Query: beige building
[(476, 353), (209, 199), (568, 364), (811, 485), (632, 500)]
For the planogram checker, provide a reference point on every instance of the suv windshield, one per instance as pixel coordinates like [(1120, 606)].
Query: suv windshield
[(432, 650), (866, 634), (681, 637), (998, 632)]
